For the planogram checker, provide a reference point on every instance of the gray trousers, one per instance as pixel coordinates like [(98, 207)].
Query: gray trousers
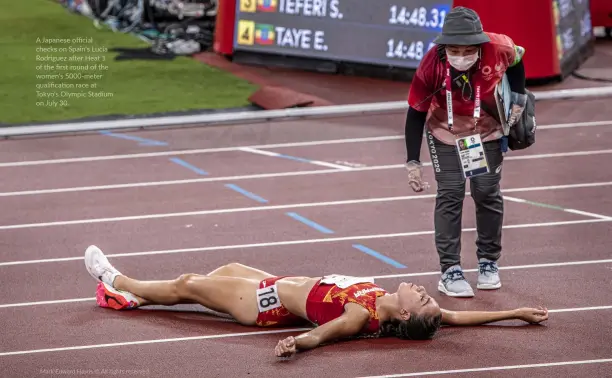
[(485, 191)]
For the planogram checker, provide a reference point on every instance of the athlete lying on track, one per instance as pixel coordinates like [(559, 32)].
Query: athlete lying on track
[(340, 307)]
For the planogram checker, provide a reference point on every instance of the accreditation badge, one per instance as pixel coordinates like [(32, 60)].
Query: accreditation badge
[(471, 155)]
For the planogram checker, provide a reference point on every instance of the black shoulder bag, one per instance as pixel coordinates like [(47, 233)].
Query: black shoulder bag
[(522, 134)]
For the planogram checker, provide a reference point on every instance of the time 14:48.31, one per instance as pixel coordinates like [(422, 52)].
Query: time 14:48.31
[(402, 50), (417, 17)]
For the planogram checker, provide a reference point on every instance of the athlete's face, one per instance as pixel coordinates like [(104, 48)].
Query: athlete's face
[(414, 299)]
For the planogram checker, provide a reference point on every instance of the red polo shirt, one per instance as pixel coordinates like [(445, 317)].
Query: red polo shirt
[(497, 55)]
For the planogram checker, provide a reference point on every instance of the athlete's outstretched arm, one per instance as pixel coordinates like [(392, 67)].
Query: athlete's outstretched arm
[(471, 318), (348, 324)]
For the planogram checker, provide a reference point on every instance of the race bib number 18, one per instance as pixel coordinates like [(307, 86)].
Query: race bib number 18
[(267, 298)]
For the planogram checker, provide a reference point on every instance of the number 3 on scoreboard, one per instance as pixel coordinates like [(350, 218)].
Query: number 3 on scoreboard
[(246, 32), (267, 299), (247, 6)]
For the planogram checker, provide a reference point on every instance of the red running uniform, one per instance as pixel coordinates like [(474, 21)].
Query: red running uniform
[(279, 316), (326, 302)]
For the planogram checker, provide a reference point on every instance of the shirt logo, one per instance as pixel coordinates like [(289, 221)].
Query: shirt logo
[(366, 291), (488, 74)]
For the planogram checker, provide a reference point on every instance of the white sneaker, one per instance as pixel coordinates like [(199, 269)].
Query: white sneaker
[(99, 267), (454, 284), (488, 275)]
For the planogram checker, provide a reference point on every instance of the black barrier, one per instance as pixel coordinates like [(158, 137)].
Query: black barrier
[(573, 24)]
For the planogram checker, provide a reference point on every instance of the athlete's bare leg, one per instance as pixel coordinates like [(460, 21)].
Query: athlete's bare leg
[(231, 295), (236, 270), (240, 270)]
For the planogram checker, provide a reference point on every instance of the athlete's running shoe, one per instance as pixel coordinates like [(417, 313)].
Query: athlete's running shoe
[(99, 267), (109, 297)]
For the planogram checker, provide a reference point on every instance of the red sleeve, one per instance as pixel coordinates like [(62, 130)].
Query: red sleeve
[(424, 81), (508, 52)]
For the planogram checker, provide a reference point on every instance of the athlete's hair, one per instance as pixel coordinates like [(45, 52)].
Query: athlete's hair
[(417, 327)]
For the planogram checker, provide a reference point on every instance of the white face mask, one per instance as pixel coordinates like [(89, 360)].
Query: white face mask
[(462, 63)]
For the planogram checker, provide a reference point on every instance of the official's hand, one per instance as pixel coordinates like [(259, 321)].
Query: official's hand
[(285, 348), (532, 315), (415, 176)]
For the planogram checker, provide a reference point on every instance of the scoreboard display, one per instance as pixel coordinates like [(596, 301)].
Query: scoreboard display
[(393, 33)]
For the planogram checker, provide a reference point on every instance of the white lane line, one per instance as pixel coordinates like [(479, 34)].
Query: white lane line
[(175, 182), (349, 164), (177, 339), (586, 213), (575, 124), (494, 368), (215, 211), (558, 154), (276, 207), (554, 187), (554, 207), (298, 242), (40, 303), (576, 309), (510, 267), (383, 277), (331, 165), (155, 341), (275, 175), (259, 152), (279, 155), (263, 146), (200, 151)]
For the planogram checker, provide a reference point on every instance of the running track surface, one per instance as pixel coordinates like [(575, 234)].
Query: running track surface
[(165, 217)]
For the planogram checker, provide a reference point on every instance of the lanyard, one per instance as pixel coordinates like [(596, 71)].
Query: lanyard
[(449, 99)]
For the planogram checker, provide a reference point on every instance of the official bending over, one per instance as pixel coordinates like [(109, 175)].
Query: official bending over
[(465, 139)]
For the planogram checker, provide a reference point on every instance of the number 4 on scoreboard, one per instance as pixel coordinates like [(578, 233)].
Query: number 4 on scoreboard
[(246, 31)]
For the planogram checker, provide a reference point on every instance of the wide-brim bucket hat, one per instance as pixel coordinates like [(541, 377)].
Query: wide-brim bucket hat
[(462, 27)]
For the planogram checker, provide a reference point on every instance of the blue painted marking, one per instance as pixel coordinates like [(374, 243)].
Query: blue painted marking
[(188, 166), (143, 141), (245, 193), (373, 253), (310, 223), (295, 158)]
